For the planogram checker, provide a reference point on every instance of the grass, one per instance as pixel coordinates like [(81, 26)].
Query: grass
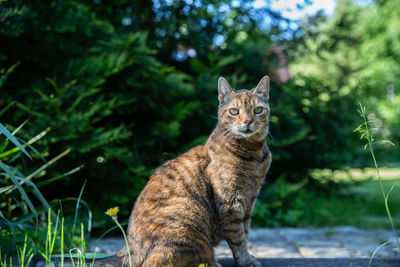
[(359, 205), (360, 202), (54, 236), (356, 175)]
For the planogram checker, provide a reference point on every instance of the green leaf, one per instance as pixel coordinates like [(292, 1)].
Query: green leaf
[(376, 250), (15, 179), (4, 131), (4, 145), (58, 177)]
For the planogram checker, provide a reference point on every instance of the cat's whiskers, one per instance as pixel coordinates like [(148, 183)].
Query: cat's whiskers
[(228, 135), (213, 117), (231, 135)]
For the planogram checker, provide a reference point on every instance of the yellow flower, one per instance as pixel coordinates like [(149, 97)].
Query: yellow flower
[(112, 211), (202, 265)]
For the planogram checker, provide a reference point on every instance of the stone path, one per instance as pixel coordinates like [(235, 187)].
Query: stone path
[(335, 242)]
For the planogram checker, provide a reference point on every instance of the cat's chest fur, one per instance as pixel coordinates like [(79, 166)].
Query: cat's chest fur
[(236, 172)]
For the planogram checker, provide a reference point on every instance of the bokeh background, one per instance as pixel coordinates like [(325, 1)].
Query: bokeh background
[(122, 86)]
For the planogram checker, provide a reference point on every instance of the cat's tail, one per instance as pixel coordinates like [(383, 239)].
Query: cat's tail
[(112, 261)]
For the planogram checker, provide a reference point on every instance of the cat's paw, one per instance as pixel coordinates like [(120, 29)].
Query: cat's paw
[(249, 261)]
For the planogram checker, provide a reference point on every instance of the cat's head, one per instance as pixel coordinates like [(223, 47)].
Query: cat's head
[(244, 113)]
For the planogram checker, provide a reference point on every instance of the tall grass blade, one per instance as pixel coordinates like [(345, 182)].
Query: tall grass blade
[(58, 177), (14, 179), (376, 251), (62, 242), (50, 162), (4, 131), (94, 257), (83, 245), (37, 153), (4, 145), (30, 142), (1, 260), (10, 228), (42, 200), (72, 258), (5, 189), (39, 196), (19, 128), (54, 234), (24, 256), (48, 237), (77, 206)]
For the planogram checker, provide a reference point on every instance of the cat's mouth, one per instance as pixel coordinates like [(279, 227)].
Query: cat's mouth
[(247, 131)]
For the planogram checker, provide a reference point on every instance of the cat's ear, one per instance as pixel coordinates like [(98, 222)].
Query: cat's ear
[(262, 89), (224, 90)]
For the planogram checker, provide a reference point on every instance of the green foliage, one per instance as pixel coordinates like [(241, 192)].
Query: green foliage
[(21, 201), (16, 198), (341, 60), (279, 204), (295, 204)]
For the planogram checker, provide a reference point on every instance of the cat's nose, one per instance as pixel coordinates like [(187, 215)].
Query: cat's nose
[(248, 122)]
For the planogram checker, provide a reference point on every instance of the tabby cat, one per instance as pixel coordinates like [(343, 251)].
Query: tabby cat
[(207, 194)]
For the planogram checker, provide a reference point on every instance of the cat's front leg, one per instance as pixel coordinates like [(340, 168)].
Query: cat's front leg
[(247, 217), (246, 227), (234, 234)]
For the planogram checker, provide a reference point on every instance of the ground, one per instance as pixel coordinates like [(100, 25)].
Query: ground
[(335, 242)]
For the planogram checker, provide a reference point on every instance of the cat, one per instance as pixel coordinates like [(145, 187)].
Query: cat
[(207, 194)]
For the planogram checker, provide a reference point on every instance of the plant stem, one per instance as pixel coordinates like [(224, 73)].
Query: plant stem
[(369, 138), (126, 240)]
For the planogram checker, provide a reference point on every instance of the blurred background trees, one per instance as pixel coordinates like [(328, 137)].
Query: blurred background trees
[(127, 85)]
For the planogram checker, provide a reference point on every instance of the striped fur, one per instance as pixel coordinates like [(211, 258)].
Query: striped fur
[(207, 194)]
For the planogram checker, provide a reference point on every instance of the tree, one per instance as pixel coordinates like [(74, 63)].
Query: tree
[(348, 58)]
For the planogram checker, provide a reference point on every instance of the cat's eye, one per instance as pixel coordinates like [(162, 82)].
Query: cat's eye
[(233, 111), (258, 110)]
